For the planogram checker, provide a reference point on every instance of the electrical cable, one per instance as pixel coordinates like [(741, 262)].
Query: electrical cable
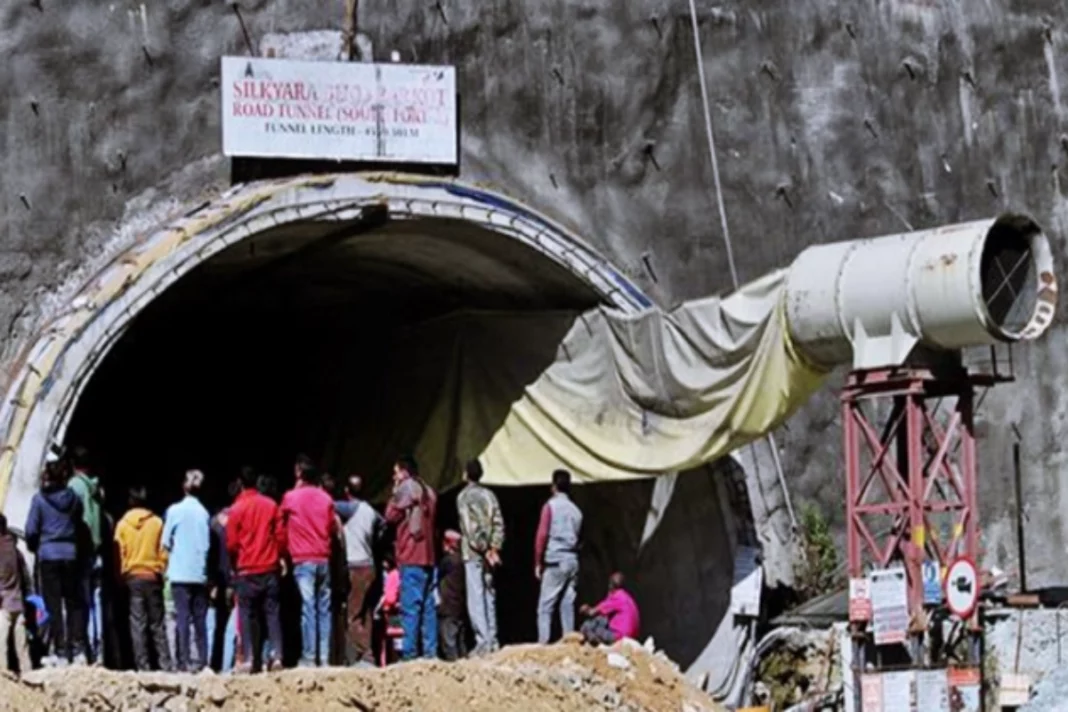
[(710, 136)]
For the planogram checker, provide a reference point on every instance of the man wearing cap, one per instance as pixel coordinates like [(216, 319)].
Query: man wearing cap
[(187, 540)]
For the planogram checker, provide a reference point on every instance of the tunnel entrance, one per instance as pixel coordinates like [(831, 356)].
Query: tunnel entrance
[(352, 342), (354, 318)]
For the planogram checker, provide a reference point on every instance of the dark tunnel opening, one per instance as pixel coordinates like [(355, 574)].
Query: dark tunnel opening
[(356, 343), (350, 344)]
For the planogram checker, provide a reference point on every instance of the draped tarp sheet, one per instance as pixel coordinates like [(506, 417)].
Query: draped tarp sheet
[(439, 389), (650, 393), (607, 395)]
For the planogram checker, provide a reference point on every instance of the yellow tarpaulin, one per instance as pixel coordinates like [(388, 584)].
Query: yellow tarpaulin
[(638, 395)]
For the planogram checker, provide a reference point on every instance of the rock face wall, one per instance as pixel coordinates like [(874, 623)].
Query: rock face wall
[(833, 120)]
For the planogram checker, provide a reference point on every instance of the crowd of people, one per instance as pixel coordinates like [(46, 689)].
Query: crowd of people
[(372, 585)]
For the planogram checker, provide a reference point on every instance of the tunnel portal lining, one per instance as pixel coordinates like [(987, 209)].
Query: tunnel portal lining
[(53, 372)]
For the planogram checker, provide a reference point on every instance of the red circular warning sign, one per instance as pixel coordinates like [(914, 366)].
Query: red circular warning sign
[(962, 587)]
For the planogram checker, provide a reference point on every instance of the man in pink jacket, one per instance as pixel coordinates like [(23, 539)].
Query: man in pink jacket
[(311, 526), (614, 618)]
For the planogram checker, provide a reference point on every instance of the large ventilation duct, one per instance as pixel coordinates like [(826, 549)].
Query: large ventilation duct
[(870, 302)]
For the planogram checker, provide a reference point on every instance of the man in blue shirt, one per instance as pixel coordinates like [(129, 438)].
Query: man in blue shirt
[(187, 540)]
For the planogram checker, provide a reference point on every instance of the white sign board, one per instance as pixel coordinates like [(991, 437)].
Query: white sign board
[(898, 692), (344, 111), (962, 588), (932, 691), (748, 582), (890, 605)]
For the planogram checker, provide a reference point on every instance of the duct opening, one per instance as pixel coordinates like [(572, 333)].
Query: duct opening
[(1016, 278)]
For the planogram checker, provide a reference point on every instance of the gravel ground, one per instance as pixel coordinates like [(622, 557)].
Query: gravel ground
[(567, 677)]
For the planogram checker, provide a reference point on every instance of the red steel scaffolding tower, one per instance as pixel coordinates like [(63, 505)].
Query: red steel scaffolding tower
[(911, 476)]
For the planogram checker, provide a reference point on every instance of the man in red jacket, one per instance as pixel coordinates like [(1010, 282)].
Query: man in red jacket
[(413, 510), (256, 540), (310, 524)]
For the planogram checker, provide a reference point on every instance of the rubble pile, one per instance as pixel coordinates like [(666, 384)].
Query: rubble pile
[(803, 666), (567, 677)]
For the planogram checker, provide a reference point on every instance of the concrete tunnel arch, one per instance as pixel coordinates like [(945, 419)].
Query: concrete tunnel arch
[(52, 373)]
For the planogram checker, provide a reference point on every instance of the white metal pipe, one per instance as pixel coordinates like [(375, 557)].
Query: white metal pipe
[(870, 302)]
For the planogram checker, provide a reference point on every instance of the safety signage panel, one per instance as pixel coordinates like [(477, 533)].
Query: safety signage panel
[(859, 601), (356, 111), (964, 689), (871, 692), (890, 605), (932, 691), (962, 587), (932, 583), (898, 691)]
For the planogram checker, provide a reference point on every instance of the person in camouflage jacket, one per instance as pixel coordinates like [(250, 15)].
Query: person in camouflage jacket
[(482, 527)]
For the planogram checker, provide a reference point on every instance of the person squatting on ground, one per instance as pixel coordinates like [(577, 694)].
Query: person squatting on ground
[(187, 540), (53, 533), (255, 539), (14, 589), (412, 509), (310, 527), (556, 562), (142, 561), (614, 618), (89, 490), (451, 599), (364, 531), (482, 527)]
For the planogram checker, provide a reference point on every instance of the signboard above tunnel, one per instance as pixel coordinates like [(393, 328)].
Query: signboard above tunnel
[(339, 111)]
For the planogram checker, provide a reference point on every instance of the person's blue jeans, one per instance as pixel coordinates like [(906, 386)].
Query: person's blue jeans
[(93, 610), (229, 640), (418, 611), (191, 610), (559, 581), (313, 580)]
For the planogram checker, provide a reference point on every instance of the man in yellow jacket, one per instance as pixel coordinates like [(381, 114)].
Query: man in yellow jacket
[(141, 564)]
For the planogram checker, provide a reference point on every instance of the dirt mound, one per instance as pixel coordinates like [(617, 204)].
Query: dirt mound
[(561, 678)]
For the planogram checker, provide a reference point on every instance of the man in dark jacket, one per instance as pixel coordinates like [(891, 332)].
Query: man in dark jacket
[(52, 533), (452, 608), (14, 586), (412, 510)]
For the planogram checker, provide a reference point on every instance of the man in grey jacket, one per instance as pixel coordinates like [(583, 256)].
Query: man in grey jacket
[(482, 528), (556, 549)]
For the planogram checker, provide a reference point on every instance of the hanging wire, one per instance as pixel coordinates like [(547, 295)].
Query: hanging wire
[(710, 136), (712, 144)]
